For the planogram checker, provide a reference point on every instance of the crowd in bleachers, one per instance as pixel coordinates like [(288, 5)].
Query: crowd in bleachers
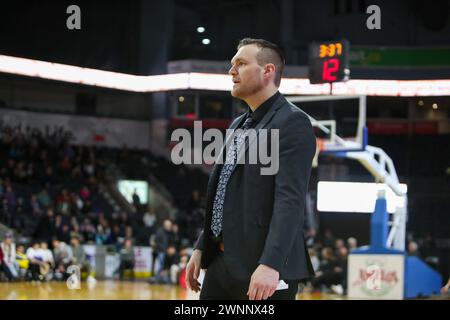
[(47, 185), (49, 194), (37, 262)]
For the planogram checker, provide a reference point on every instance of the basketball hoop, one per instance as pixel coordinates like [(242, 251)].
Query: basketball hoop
[(320, 142), (320, 146)]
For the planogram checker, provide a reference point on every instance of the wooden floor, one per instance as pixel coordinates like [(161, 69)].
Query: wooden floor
[(109, 290)]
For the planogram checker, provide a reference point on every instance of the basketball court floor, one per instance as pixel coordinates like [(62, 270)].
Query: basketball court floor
[(112, 290), (116, 290)]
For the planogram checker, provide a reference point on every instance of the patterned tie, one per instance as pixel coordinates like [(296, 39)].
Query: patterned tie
[(227, 169)]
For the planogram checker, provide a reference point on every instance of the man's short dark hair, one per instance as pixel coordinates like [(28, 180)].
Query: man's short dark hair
[(268, 53)]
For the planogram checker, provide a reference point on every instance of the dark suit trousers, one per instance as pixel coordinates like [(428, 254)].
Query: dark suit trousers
[(219, 284)]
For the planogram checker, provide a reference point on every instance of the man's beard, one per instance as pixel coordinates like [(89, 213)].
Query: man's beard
[(242, 92)]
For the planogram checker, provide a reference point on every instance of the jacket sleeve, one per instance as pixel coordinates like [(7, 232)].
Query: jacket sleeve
[(297, 146), (199, 244)]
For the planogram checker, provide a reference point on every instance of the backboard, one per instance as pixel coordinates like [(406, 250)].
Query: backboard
[(339, 121)]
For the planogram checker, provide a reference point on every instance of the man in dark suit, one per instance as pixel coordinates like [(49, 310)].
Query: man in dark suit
[(253, 235)]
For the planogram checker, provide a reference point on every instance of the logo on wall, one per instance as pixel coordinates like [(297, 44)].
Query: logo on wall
[(375, 279)]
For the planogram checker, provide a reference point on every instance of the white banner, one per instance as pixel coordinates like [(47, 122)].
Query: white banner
[(143, 260)]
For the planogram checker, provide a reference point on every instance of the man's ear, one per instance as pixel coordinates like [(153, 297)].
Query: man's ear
[(269, 69)]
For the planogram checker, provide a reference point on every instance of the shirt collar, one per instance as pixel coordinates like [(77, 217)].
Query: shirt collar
[(261, 111)]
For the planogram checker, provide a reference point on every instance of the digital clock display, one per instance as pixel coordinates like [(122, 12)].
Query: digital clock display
[(328, 61)]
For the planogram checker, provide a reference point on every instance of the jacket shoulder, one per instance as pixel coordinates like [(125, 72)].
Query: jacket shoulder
[(290, 112), (297, 111)]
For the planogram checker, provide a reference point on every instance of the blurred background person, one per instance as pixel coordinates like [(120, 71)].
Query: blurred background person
[(8, 262), (63, 256), (37, 267), (22, 261), (47, 257), (79, 257), (127, 259)]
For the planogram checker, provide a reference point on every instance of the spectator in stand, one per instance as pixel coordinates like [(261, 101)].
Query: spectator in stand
[(177, 270), (141, 233), (328, 239), (10, 168), (65, 233), (63, 255), (165, 276), (326, 276), (89, 168), (20, 172), (85, 193), (11, 198), (429, 251), (22, 261), (136, 200), (35, 205), (65, 165), (74, 225), (117, 236), (413, 249), (149, 220), (113, 219), (58, 225), (30, 173), (103, 232), (8, 264), (163, 238), (87, 207), (87, 229), (76, 171), (68, 151), (340, 271), (339, 243), (79, 257), (352, 243), (129, 233), (127, 259), (124, 221), (76, 204), (49, 178), (44, 198), (37, 267), (47, 258), (63, 202), (45, 228), (5, 213), (176, 238)]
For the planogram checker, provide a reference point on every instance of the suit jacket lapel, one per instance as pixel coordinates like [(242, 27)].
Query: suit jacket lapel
[(262, 124)]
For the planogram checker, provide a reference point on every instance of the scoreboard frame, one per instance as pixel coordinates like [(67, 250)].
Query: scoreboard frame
[(328, 61)]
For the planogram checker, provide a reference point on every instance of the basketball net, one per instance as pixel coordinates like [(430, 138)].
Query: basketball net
[(320, 146)]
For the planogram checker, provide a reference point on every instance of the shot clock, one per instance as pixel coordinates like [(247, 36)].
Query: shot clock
[(328, 61)]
